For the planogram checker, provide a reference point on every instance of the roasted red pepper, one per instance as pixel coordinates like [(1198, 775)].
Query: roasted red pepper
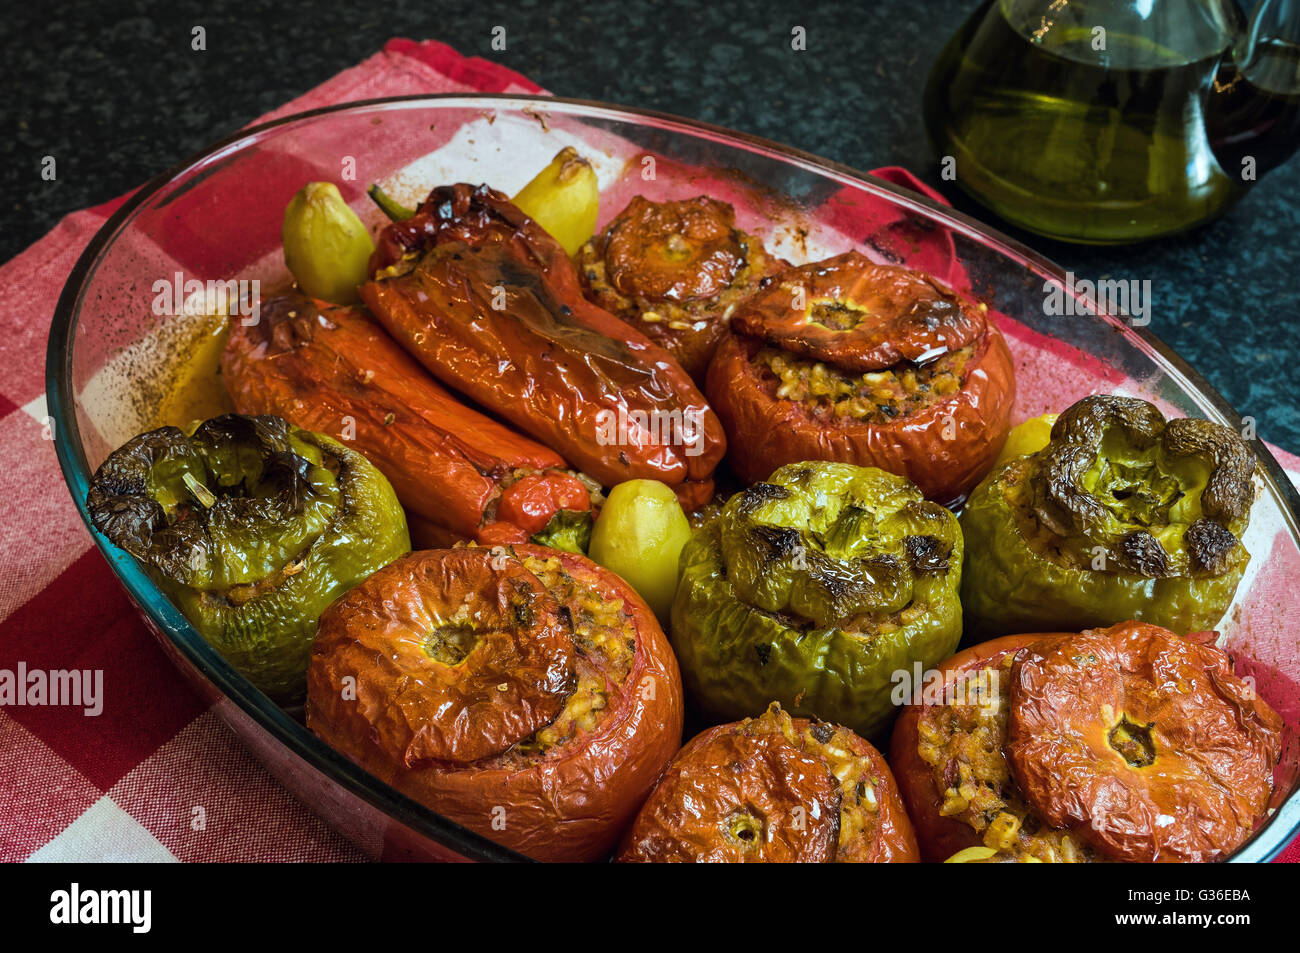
[(533, 500), (335, 371), (491, 305)]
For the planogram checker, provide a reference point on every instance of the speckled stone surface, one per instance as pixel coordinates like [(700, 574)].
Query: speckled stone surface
[(114, 91)]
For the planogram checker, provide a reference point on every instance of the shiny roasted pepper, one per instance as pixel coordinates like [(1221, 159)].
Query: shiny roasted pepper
[(1123, 515), (252, 527), (459, 474), (813, 589), (490, 303)]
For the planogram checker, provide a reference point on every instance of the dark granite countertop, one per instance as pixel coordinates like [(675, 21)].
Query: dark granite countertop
[(114, 91)]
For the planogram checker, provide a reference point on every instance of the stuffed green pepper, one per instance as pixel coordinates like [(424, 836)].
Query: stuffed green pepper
[(252, 527), (815, 589), (1123, 515)]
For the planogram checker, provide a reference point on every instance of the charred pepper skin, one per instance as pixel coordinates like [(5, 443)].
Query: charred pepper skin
[(252, 527), (812, 589), (1124, 515)]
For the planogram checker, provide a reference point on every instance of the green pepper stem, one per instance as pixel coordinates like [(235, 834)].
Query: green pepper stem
[(390, 206), (569, 530), (201, 492)]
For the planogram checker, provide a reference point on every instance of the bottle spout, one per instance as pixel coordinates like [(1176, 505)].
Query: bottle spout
[(1252, 111)]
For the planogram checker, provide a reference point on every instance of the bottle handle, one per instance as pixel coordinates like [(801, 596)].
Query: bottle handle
[(1272, 20)]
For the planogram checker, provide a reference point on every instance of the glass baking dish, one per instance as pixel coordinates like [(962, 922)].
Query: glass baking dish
[(217, 216)]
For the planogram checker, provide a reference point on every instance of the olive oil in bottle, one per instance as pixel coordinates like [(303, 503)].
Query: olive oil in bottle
[(1079, 134)]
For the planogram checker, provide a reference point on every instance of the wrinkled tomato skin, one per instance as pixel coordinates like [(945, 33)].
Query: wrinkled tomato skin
[(512, 681), (765, 433), (635, 246), (572, 804), (1192, 792), (675, 271), (940, 837), (721, 770), (910, 314), (895, 841)]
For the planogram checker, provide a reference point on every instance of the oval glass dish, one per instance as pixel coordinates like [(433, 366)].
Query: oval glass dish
[(118, 351)]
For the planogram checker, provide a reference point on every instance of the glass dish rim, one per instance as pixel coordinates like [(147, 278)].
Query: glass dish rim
[(274, 720)]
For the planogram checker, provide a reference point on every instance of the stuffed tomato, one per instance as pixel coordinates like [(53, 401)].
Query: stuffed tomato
[(774, 789), (812, 589), (1147, 743), (525, 693), (946, 751), (1124, 515), (675, 271), (875, 365), (1076, 747)]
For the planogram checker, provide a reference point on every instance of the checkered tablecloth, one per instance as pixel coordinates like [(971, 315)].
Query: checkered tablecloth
[(155, 776)]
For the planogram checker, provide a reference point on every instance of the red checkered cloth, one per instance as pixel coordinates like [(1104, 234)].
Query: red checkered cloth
[(155, 776)]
